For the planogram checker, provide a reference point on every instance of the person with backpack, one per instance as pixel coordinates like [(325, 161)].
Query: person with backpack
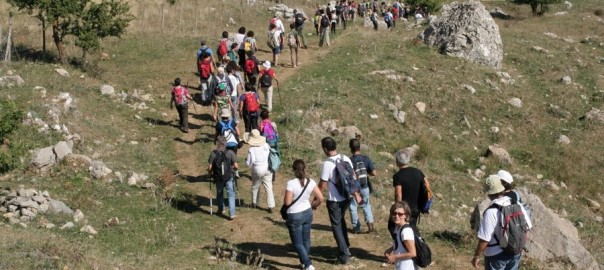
[(232, 69), (222, 88), (268, 129), (222, 165), (239, 37), (249, 105), (251, 69), (206, 68), (324, 29), (491, 231), (180, 95), (293, 41), (227, 128), (333, 22), (363, 167), (299, 20), (232, 53), (373, 18), (389, 19), (223, 46), (299, 209), (317, 20), (402, 251), (274, 42), (508, 183), (257, 160), (410, 184), (337, 204), (249, 43), (265, 83)]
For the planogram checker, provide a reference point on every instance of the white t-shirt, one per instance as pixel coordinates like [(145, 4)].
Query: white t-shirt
[(235, 83), (257, 157), (280, 26), (328, 174), (239, 39), (490, 226), (399, 248), (304, 202)]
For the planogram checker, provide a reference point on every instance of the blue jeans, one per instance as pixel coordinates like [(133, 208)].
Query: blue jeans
[(337, 212), (235, 111), (230, 188), (502, 261), (354, 216), (298, 225)]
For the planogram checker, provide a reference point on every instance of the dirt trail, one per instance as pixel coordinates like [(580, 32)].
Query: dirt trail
[(256, 228)]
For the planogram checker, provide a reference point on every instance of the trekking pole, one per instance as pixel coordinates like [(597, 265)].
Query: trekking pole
[(194, 107), (210, 182), (237, 191), (279, 93)]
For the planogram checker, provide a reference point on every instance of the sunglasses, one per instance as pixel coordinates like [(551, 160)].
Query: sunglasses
[(398, 214)]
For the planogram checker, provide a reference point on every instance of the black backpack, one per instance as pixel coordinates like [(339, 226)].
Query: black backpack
[(221, 166), (299, 19), (324, 21), (346, 183), (360, 170), (266, 80), (423, 254)]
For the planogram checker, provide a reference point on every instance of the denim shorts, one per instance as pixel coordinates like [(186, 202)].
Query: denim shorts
[(277, 50)]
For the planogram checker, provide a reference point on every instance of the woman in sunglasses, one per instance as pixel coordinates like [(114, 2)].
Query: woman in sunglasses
[(403, 250)]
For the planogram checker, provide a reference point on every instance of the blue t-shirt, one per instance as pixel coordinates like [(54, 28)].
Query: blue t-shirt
[(367, 161), (207, 49)]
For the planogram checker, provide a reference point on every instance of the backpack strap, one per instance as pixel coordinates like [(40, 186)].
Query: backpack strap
[(498, 207)]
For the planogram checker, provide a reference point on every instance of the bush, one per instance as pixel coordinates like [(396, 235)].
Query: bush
[(10, 118), (599, 12), (431, 6)]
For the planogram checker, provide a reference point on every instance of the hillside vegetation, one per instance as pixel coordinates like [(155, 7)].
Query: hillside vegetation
[(170, 227)]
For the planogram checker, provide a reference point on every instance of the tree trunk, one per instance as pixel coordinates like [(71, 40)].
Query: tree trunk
[(44, 35), (9, 38), (58, 39), (84, 55), (534, 8)]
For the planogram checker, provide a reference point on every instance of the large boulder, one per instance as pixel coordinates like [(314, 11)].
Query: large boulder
[(552, 238), (44, 157), (10, 81), (466, 30)]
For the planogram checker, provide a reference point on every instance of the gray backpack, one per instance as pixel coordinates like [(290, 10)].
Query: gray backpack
[(514, 228)]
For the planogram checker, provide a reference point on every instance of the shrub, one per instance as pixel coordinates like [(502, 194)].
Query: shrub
[(10, 118), (599, 12)]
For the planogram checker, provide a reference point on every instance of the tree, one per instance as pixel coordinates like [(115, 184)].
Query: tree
[(538, 7), (98, 21), (431, 6)]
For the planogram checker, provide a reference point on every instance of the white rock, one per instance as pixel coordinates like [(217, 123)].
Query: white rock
[(67, 225), (551, 185), (78, 216), (421, 107), (148, 186), (500, 153), (107, 90), (566, 80), (133, 179), (62, 149), (469, 88), (568, 5), (373, 116), (400, 116), (539, 49), (49, 226), (560, 13), (494, 130), (593, 204), (563, 139), (62, 72), (10, 81), (98, 169), (88, 229), (539, 176), (515, 102)]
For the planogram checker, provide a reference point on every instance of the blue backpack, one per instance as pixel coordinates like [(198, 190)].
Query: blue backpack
[(227, 130), (347, 184)]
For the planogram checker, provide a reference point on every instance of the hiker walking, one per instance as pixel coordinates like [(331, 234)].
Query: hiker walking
[(223, 46), (222, 164), (408, 183), (317, 20), (257, 160), (180, 96), (227, 128), (403, 250), (206, 68), (249, 104), (274, 42), (239, 37), (267, 75), (232, 70), (373, 18), (268, 129), (293, 40), (363, 167), (299, 20), (389, 19), (490, 230), (333, 21), (336, 203), (300, 210), (222, 88), (324, 29), (251, 68)]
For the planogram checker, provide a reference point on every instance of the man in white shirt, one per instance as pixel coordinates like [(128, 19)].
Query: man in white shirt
[(337, 205), (490, 230)]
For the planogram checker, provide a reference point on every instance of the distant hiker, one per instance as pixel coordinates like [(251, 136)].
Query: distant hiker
[(274, 42), (300, 213), (222, 88), (333, 21), (239, 37), (265, 83), (317, 20), (206, 69), (232, 70), (336, 203), (251, 69), (299, 20), (268, 129), (324, 29), (293, 41), (249, 43), (403, 250), (180, 95), (233, 54), (490, 231), (222, 165), (373, 18), (344, 14), (276, 20), (223, 46), (227, 128), (389, 19), (257, 160), (249, 105), (363, 167), (409, 183), (225, 60)]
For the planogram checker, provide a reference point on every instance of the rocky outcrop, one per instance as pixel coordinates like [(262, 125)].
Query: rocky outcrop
[(23, 205), (10, 81), (466, 30)]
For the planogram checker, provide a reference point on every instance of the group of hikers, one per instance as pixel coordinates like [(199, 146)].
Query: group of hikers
[(229, 80)]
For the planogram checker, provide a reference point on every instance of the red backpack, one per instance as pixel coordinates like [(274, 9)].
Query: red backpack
[(251, 102), (205, 69), (222, 47), (250, 66)]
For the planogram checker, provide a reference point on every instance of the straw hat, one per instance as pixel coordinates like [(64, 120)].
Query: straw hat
[(493, 185), (225, 113), (256, 139)]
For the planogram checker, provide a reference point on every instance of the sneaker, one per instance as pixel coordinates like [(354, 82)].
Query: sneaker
[(236, 174), (310, 267), (270, 210), (232, 217)]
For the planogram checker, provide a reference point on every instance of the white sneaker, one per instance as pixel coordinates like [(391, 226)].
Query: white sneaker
[(310, 267)]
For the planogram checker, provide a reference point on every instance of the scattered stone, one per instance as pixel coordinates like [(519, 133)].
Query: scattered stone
[(400, 116), (349, 132), (62, 72), (566, 80), (58, 207), (551, 185), (500, 153), (67, 225), (593, 204), (421, 107), (458, 161), (148, 186), (551, 35), (498, 13), (595, 115), (373, 116), (560, 13), (112, 222), (515, 102), (466, 30), (568, 5), (10, 81), (563, 139), (539, 176), (398, 103), (556, 111), (107, 90), (494, 130), (599, 219), (88, 229), (98, 169), (563, 185), (369, 24), (469, 88), (505, 78), (43, 157), (387, 155), (61, 150), (478, 173), (49, 226), (133, 179), (78, 216), (539, 49)]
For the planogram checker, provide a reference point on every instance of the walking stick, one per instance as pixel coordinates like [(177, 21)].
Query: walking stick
[(210, 182), (279, 93), (237, 191), (194, 107)]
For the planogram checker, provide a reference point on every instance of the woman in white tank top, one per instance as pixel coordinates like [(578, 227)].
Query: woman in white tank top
[(403, 250)]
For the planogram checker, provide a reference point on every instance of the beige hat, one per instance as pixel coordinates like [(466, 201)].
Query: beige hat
[(256, 139), (505, 176), (493, 185), (225, 113), (220, 70)]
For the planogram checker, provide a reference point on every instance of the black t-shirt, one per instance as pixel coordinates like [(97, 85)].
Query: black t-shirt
[(410, 180)]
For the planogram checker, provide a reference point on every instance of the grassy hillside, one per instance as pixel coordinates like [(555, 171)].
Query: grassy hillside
[(170, 228)]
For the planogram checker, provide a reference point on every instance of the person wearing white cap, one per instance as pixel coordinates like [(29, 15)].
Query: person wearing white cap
[(257, 160), (490, 230), (266, 84)]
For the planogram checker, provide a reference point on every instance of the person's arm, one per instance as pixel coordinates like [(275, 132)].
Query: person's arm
[(318, 199), (241, 101), (231, 105), (288, 197), (172, 101), (275, 76), (323, 185), (215, 105), (248, 159), (480, 247), (398, 193)]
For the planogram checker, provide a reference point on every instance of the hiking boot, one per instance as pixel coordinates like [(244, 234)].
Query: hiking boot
[(254, 206), (236, 173), (370, 228), (270, 210)]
